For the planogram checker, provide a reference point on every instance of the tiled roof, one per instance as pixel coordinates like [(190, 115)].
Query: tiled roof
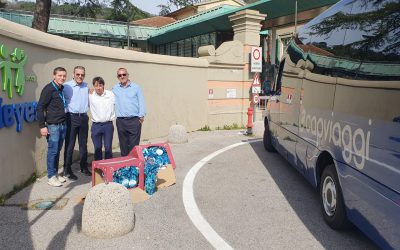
[(157, 21), (241, 2)]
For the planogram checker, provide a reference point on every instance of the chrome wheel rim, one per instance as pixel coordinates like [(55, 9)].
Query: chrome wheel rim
[(329, 196)]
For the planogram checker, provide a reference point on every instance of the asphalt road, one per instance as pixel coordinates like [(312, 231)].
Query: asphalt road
[(250, 198)]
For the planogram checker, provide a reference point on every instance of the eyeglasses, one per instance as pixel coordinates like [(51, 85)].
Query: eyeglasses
[(83, 75), (121, 75)]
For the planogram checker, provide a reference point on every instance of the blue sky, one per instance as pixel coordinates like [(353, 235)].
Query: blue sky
[(149, 5)]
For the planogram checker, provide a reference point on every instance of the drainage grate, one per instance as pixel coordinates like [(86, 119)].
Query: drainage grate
[(46, 204)]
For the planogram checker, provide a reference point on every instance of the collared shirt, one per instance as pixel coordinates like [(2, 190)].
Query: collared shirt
[(102, 106), (129, 100), (77, 96)]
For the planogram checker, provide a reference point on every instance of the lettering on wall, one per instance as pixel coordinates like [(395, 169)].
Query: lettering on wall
[(13, 79)]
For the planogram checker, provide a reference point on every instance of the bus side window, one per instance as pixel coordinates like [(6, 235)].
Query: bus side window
[(278, 80)]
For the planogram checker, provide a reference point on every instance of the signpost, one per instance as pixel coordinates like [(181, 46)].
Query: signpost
[(256, 85), (256, 99), (210, 93), (256, 59), (255, 91)]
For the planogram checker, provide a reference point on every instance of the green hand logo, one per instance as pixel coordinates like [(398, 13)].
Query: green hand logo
[(9, 63)]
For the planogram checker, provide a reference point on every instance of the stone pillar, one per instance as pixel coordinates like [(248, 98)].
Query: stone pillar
[(246, 26)]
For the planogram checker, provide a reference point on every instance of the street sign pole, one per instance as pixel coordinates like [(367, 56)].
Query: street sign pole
[(255, 92)]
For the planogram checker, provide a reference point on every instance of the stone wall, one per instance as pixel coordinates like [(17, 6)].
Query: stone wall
[(212, 90), (175, 89)]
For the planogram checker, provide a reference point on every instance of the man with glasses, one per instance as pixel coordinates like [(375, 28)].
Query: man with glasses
[(51, 116), (77, 96), (130, 110)]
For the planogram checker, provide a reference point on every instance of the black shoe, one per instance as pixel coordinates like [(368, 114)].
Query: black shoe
[(86, 172), (71, 177)]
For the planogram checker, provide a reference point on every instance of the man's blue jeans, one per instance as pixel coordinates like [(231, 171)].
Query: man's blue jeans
[(55, 140)]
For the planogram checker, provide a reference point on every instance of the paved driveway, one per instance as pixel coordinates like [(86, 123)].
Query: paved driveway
[(250, 198)]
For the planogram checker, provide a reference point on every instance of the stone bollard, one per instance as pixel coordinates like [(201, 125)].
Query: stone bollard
[(108, 211), (258, 129), (177, 134)]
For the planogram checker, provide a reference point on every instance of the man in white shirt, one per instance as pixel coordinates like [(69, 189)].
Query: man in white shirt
[(102, 108)]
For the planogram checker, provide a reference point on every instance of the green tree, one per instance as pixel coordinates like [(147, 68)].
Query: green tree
[(125, 11), (166, 8), (21, 5), (81, 8), (70, 9)]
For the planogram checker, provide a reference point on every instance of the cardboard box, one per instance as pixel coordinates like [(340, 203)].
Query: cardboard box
[(137, 152), (102, 171), (165, 177), (109, 166)]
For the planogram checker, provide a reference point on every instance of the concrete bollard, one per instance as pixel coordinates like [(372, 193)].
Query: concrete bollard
[(177, 134), (108, 211), (258, 129)]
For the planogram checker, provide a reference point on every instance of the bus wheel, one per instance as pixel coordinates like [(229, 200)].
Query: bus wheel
[(267, 140), (331, 199)]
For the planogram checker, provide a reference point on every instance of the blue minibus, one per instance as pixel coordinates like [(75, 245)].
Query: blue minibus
[(334, 114)]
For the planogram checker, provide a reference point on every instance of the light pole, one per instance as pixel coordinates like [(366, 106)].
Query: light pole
[(128, 34), (129, 18)]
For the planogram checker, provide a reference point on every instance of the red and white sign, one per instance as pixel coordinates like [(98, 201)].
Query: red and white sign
[(256, 63), (256, 99), (256, 85), (210, 93), (289, 98)]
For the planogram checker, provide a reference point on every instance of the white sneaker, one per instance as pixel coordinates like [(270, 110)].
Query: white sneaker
[(61, 179), (53, 181)]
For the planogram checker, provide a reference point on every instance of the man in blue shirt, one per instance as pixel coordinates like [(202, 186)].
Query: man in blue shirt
[(77, 96), (130, 110)]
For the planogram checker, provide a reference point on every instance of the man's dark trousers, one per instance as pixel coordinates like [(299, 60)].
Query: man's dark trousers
[(102, 131), (129, 129), (77, 125)]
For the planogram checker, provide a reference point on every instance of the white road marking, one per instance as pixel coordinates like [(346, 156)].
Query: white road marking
[(190, 203)]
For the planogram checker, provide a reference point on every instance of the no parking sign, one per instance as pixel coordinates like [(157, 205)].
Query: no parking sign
[(256, 63)]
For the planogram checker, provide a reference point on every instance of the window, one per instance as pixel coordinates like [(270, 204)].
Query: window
[(195, 42), (188, 47), (321, 40), (180, 48), (373, 35), (174, 50), (285, 42), (278, 81), (319, 33), (162, 49)]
